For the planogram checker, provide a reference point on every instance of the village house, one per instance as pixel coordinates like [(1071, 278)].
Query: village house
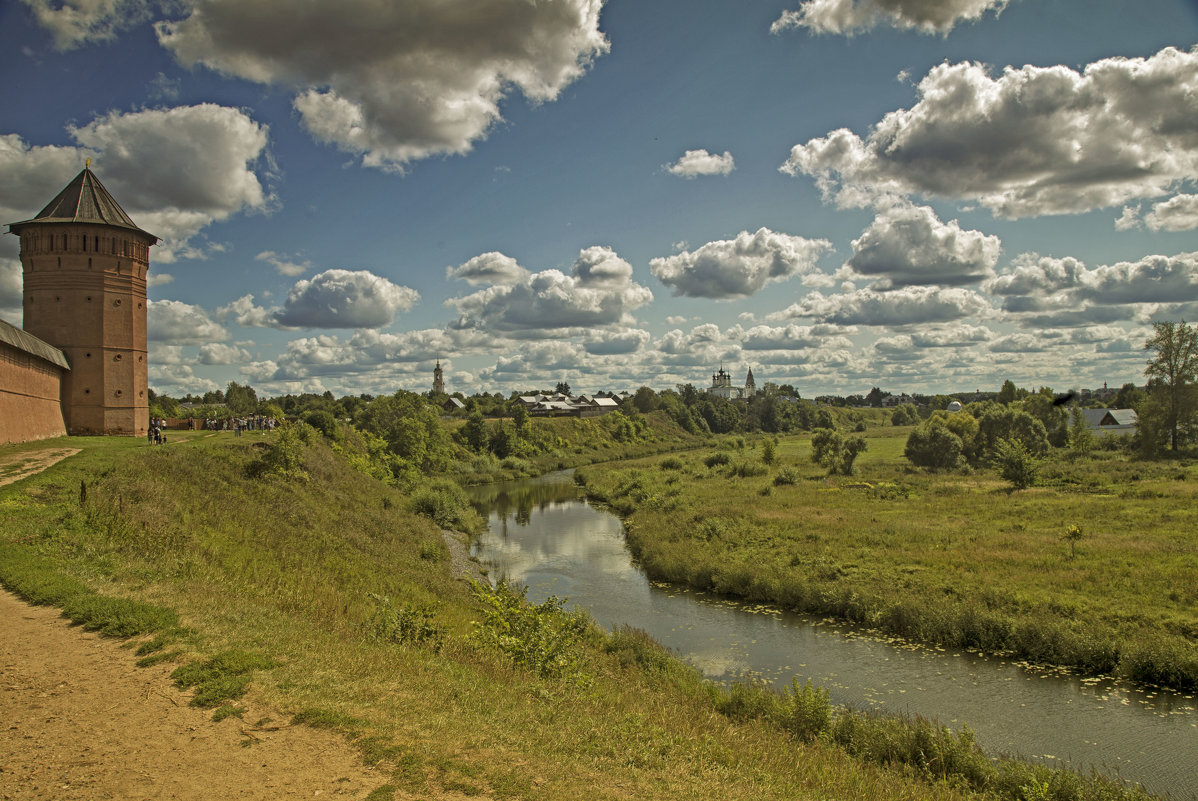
[(1108, 422)]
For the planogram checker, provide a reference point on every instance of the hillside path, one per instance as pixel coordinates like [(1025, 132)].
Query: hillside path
[(78, 720)]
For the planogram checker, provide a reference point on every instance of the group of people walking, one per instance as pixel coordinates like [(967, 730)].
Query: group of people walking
[(154, 431)]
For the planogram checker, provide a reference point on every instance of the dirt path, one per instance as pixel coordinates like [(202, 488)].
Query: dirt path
[(78, 720), (16, 466)]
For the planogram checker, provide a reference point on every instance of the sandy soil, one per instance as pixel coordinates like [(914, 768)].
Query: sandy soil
[(78, 720)]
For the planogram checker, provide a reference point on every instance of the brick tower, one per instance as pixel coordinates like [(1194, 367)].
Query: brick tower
[(84, 266)]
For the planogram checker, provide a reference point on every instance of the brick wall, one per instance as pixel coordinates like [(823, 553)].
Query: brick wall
[(30, 406)]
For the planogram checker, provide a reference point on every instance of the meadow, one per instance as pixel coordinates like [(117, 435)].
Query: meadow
[(270, 565), (1093, 569)]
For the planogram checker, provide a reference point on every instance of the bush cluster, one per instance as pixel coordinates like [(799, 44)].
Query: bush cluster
[(543, 638), (405, 625)]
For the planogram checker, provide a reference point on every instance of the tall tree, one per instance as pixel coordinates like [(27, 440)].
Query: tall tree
[(241, 399), (1008, 392), (1172, 372)]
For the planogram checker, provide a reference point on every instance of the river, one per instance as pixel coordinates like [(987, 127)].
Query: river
[(541, 534)]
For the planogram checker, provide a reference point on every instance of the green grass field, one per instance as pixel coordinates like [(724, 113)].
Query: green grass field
[(273, 568), (950, 558)]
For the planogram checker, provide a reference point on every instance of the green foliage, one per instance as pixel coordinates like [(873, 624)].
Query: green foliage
[(1081, 438), (323, 421), (1008, 423), (412, 428), (747, 469), (543, 638), (624, 428), (36, 580), (224, 677), (1015, 463), (406, 625), (1172, 381), (501, 440), (1129, 397), (671, 463), (227, 711), (769, 452), (474, 433), (634, 647), (444, 502), (117, 617), (836, 452), (905, 415), (1073, 535), (241, 400), (285, 456), (718, 458), (1043, 406), (934, 446), (787, 476), (805, 711), (646, 400)]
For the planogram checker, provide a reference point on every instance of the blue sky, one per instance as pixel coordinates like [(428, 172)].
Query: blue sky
[(922, 195)]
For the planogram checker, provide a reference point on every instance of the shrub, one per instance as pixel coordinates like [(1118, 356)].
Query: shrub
[(716, 459), (835, 452), (671, 463), (1073, 535), (447, 504), (544, 638), (322, 421), (905, 415), (285, 458), (1015, 463), (407, 625), (786, 476), (749, 469), (934, 446), (805, 710)]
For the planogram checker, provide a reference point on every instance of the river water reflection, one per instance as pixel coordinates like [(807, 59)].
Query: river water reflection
[(542, 535)]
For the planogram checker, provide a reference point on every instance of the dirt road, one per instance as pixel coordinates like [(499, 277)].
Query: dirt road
[(78, 720)]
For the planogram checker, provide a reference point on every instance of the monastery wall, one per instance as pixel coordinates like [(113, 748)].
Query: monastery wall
[(30, 407)]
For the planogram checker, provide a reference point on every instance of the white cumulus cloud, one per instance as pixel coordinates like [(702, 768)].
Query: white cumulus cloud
[(1033, 141), (488, 268), (907, 306), (909, 245), (737, 268), (345, 299), (599, 292), (425, 77), (849, 16), (172, 322), (73, 23), (699, 162)]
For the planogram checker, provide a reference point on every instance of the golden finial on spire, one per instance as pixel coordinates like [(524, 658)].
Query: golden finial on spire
[(87, 163)]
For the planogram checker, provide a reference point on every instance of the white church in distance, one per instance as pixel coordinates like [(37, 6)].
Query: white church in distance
[(721, 386)]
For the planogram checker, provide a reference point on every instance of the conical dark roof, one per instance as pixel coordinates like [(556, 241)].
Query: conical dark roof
[(84, 200)]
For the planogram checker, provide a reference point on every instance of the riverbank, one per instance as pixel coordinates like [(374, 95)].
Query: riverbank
[(268, 565), (950, 559)]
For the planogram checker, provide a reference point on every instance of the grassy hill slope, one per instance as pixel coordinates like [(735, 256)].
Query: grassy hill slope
[(270, 561)]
